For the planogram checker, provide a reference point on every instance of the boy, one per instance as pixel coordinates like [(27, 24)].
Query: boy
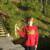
[(30, 33)]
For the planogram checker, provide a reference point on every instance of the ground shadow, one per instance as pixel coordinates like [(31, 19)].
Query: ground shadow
[(1, 48), (44, 43)]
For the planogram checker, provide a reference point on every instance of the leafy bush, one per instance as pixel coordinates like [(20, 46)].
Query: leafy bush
[(16, 14)]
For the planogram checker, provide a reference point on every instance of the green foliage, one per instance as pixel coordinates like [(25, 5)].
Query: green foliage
[(16, 15)]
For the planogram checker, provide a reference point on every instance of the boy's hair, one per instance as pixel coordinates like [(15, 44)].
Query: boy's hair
[(27, 18)]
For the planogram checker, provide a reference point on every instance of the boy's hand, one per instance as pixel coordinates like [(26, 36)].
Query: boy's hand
[(17, 27), (35, 46)]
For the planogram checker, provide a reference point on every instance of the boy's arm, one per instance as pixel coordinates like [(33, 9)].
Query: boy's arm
[(21, 32)]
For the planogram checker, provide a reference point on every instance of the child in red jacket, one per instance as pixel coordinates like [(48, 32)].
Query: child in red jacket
[(30, 32)]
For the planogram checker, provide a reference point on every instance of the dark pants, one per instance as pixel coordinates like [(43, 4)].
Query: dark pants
[(29, 48)]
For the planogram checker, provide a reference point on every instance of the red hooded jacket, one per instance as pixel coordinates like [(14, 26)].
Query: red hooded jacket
[(31, 34)]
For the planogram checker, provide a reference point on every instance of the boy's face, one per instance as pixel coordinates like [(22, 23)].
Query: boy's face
[(30, 21)]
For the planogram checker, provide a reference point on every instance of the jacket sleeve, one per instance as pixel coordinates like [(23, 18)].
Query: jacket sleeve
[(21, 32), (36, 37)]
